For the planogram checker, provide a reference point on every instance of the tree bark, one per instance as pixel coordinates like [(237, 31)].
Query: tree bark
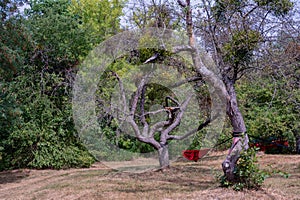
[(233, 112), (163, 154), (226, 91), (240, 139)]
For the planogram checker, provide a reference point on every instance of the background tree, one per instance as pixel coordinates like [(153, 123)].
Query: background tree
[(98, 19), (281, 70), (60, 46), (154, 127), (36, 126), (15, 42), (37, 129), (153, 14)]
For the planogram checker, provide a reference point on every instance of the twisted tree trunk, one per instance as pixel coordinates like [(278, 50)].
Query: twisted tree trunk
[(240, 138), (225, 90)]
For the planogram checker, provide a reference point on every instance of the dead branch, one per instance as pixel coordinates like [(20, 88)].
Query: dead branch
[(121, 91), (182, 48), (187, 80), (200, 127), (143, 116), (176, 122), (181, 3)]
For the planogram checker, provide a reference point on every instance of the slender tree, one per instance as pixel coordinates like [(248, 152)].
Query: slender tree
[(232, 32)]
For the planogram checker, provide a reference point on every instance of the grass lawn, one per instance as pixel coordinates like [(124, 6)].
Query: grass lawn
[(184, 180)]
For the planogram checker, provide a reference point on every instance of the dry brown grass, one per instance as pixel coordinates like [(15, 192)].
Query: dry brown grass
[(184, 180)]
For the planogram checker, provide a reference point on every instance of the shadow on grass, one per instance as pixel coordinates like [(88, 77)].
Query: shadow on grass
[(170, 187), (176, 179), (13, 176)]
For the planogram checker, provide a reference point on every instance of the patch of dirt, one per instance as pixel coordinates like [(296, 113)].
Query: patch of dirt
[(184, 180)]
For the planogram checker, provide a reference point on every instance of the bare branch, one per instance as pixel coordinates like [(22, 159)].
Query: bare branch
[(143, 118), (152, 58), (250, 11), (176, 122), (187, 80), (122, 91), (200, 67), (178, 49), (181, 137), (130, 119), (155, 112), (200, 127), (181, 3), (149, 140), (157, 126), (172, 99), (136, 96)]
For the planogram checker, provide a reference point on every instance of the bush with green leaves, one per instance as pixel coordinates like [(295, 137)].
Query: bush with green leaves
[(37, 129), (247, 173), (268, 110)]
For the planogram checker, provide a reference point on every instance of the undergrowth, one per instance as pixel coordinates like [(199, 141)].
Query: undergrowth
[(247, 173)]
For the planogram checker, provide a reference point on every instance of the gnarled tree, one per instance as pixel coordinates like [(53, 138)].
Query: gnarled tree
[(232, 32)]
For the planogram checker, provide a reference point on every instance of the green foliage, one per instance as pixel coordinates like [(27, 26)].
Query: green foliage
[(100, 19), (160, 16), (278, 7), (240, 48), (15, 45), (247, 173), (224, 140), (60, 43), (234, 25), (128, 143), (37, 127), (224, 9), (266, 111), (222, 6), (65, 31)]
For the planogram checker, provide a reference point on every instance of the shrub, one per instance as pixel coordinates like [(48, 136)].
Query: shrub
[(37, 129), (247, 173)]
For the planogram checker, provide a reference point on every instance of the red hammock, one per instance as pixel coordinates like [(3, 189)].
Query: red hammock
[(194, 155)]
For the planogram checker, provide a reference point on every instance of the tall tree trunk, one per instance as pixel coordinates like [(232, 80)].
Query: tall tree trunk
[(163, 154), (233, 112), (240, 138)]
